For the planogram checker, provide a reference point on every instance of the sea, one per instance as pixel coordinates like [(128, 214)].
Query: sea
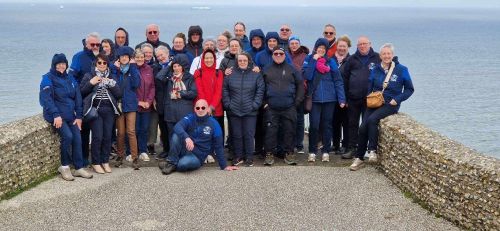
[(453, 53)]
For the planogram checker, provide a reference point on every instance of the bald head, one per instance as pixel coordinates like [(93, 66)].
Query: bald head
[(364, 45), (201, 107)]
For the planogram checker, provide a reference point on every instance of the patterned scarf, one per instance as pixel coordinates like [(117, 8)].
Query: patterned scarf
[(104, 74), (177, 87)]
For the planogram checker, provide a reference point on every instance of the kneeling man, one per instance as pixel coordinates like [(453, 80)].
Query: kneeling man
[(194, 137)]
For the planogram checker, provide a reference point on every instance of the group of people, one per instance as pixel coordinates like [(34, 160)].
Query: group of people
[(264, 84)]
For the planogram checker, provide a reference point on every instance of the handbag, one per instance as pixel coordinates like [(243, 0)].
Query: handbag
[(308, 102), (92, 113), (376, 98)]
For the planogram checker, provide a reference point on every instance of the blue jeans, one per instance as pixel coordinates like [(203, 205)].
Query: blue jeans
[(242, 133), (183, 159), (102, 130), (71, 145), (142, 129), (321, 113), (368, 131), (299, 133)]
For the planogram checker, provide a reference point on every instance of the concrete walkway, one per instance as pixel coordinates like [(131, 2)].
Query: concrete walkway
[(252, 198)]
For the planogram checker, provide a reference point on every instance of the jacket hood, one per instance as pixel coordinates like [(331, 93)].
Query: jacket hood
[(257, 33), (203, 66), (395, 60), (272, 34), (126, 35), (183, 60), (192, 30), (124, 50), (59, 58), (320, 42)]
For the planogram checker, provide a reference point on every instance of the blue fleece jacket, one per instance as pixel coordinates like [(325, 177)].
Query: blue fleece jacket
[(206, 134), (400, 86), (60, 94), (265, 57), (129, 82), (245, 43), (82, 63), (252, 50)]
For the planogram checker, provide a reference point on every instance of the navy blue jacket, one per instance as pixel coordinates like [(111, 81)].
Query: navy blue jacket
[(228, 61), (265, 57), (129, 82), (330, 87), (245, 43), (60, 96), (190, 56), (242, 92), (82, 63), (356, 73), (89, 92), (284, 86), (400, 86), (206, 134), (252, 50)]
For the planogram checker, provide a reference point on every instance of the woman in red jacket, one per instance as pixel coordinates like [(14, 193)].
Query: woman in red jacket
[(145, 96), (209, 85)]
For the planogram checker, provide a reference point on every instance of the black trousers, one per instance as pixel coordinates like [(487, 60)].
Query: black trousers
[(340, 127), (273, 119), (355, 109), (260, 132)]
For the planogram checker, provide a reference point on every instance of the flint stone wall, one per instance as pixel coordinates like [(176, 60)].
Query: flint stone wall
[(29, 151), (454, 181)]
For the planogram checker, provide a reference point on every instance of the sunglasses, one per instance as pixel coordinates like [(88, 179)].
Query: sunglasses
[(153, 32), (200, 108), (328, 33), (285, 29), (278, 54), (95, 44), (102, 62)]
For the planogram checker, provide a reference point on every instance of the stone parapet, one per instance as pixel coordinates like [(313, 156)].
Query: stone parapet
[(451, 179)]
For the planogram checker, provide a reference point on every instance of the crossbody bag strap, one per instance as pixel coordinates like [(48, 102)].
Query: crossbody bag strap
[(388, 76)]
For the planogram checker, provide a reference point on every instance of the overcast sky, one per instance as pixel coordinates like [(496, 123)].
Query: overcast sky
[(408, 3)]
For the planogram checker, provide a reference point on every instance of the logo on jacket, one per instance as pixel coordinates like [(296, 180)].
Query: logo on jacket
[(394, 78), (207, 130), (371, 66)]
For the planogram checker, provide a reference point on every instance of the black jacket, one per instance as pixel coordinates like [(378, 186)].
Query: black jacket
[(242, 92), (356, 73), (89, 91), (284, 86)]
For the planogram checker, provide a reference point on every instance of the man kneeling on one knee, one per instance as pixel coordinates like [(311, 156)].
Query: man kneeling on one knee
[(194, 137)]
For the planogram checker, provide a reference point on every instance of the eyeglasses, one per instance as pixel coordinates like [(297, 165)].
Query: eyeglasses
[(328, 33), (102, 62), (285, 29), (278, 53), (200, 108), (95, 44), (153, 32)]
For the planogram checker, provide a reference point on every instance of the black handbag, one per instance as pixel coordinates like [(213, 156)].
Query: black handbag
[(308, 97), (92, 113)]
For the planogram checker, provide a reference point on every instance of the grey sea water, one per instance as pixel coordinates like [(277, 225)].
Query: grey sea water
[(452, 53)]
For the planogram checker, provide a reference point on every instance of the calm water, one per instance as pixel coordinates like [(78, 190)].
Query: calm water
[(453, 54)]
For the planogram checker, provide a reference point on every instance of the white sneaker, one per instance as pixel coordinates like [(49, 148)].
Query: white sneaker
[(144, 157), (357, 164), (311, 157), (325, 157), (210, 159), (66, 173), (372, 156), (129, 158)]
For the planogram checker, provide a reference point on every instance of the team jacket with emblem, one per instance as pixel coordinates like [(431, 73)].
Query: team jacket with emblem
[(356, 71), (400, 86)]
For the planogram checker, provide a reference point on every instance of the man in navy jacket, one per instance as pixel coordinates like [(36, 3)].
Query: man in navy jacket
[(195, 136)]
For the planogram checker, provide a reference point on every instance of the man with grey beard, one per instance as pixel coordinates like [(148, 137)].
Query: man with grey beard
[(81, 64)]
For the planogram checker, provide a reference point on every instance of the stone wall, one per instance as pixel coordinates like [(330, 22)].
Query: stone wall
[(452, 180), (29, 151)]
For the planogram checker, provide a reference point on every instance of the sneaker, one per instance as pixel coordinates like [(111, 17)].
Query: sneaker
[(82, 172), (372, 156), (98, 169), (210, 159), (66, 173), (144, 157), (357, 164), (325, 157), (106, 168), (269, 160), (249, 163), (151, 149), (237, 162), (119, 161), (348, 155), (290, 159), (311, 157), (300, 151), (129, 158), (167, 167), (135, 164)]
